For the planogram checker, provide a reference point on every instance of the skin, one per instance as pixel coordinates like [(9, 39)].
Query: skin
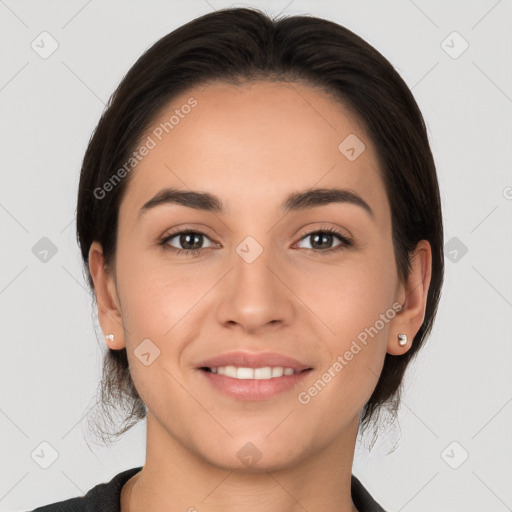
[(251, 146)]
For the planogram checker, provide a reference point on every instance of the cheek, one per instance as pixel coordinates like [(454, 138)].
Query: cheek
[(350, 294), (156, 295), (352, 305)]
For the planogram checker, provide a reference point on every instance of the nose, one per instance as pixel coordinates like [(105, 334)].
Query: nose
[(255, 295)]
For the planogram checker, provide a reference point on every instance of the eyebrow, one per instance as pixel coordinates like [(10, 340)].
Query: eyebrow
[(296, 201)]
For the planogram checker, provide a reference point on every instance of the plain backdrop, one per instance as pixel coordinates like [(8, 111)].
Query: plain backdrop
[(453, 449)]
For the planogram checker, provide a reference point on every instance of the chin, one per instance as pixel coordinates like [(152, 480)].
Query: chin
[(252, 455)]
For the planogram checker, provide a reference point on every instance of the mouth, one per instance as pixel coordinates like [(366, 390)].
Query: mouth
[(252, 376)]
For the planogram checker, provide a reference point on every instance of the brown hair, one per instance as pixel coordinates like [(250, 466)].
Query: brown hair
[(239, 44)]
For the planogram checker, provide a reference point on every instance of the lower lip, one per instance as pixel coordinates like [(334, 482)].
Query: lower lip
[(253, 389)]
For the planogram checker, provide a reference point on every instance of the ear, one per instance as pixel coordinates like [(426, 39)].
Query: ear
[(413, 296), (109, 310)]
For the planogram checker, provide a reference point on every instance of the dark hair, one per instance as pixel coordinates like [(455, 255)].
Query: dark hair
[(244, 44)]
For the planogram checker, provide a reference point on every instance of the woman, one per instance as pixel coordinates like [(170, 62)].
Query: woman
[(259, 218)]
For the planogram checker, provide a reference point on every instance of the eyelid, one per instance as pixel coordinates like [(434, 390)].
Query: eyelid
[(186, 228), (344, 233)]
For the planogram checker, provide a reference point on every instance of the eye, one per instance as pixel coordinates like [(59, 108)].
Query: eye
[(190, 240), (324, 237)]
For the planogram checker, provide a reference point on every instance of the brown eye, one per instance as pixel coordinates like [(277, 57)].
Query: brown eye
[(188, 241), (322, 240)]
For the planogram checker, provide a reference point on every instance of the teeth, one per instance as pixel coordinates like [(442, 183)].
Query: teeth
[(267, 372), (278, 371)]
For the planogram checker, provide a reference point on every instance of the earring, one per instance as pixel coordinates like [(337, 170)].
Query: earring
[(109, 337), (402, 339)]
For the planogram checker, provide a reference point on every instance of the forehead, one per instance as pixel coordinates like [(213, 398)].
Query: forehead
[(259, 141)]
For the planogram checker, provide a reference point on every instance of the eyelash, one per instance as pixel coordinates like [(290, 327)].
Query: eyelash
[(345, 242)]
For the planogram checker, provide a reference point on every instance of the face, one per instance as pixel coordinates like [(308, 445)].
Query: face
[(257, 277)]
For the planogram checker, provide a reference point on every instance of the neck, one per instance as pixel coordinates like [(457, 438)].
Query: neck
[(175, 479)]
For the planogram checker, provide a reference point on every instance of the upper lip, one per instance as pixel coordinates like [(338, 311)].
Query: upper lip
[(243, 359)]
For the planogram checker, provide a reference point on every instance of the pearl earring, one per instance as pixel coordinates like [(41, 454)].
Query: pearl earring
[(109, 337), (402, 339)]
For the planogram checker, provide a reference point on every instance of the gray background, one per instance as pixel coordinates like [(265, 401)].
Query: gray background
[(458, 390)]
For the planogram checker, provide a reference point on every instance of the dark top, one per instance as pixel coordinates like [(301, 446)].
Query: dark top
[(107, 497)]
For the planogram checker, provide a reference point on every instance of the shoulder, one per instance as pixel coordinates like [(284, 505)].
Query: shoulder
[(103, 497), (362, 498)]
